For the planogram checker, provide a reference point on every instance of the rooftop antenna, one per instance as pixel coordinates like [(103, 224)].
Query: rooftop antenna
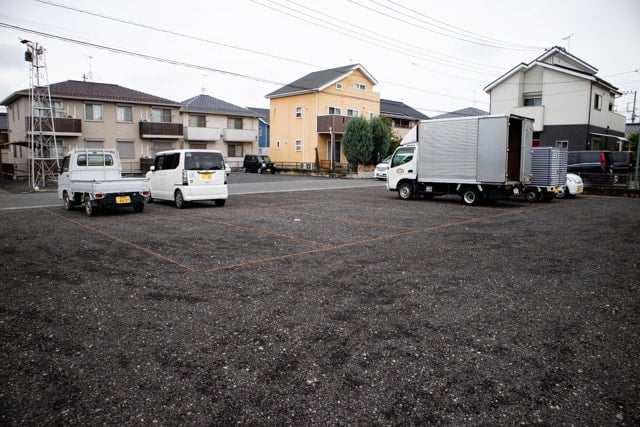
[(568, 39), (89, 75)]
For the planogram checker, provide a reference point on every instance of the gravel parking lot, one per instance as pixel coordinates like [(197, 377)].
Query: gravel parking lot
[(332, 307)]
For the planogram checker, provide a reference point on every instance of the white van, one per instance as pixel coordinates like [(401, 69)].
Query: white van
[(188, 175)]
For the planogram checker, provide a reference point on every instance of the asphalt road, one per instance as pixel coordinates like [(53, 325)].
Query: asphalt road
[(338, 306)]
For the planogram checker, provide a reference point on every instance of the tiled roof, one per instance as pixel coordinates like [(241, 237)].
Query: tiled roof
[(209, 104), (399, 110), (263, 113), (96, 91), (631, 128), (318, 80), (465, 112)]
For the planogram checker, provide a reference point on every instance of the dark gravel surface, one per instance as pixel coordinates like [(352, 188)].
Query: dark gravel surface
[(332, 307)]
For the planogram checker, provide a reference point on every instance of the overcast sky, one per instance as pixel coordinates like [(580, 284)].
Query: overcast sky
[(435, 56)]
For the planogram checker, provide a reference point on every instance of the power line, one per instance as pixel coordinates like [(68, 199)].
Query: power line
[(504, 44)]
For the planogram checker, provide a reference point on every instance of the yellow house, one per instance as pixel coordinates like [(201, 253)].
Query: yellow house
[(308, 116)]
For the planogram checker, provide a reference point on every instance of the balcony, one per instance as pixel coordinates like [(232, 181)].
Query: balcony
[(192, 133), (157, 130), (239, 135), (61, 126), (335, 124), (535, 112)]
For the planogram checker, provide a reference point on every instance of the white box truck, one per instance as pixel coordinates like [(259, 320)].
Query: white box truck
[(481, 158)]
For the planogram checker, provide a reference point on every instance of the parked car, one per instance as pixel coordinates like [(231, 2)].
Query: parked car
[(227, 169), (574, 187), (258, 163), (623, 161), (381, 169), (188, 175), (595, 167)]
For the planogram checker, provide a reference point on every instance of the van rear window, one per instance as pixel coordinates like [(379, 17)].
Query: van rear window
[(203, 161)]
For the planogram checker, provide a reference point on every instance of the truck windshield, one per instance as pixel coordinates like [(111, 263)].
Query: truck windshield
[(402, 156), (204, 161)]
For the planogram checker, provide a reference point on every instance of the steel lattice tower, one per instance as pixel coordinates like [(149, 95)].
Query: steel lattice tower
[(43, 146)]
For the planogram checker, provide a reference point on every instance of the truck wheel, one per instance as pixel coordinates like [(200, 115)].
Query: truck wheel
[(179, 199), (562, 194), (89, 209), (405, 191), (531, 196), (138, 207), (220, 202), (68, 203), (471, 196)]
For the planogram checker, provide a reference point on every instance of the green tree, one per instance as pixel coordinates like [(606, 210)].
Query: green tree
[(632, 145), (381, 136), (357, 142)]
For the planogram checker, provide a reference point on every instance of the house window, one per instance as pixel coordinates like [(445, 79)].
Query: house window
[(58, 109), (298, 112), (234, 150), (93, 112), (161, 115), (353, 113), (234, 123), (94, 143), (197, 121), (360, 86), (278, 144), (124, 113), (371, 115), (562, 144), (126, 149), (335, 111), (610, 106), (532, 99), (339, 86), (298, 145), (597, 102)]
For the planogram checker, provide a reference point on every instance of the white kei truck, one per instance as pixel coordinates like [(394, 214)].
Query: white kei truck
[(480, 158), (93, 178)]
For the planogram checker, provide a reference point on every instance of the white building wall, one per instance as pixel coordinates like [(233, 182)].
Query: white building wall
[(507, 95), (565, 98)]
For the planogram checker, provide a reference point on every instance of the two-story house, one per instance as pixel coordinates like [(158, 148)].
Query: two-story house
[(263, 129), (570, 105), (308, 116), (210, 123), (95, 115), (401, 117)]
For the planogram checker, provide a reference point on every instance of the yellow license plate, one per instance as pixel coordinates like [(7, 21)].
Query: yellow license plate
[(578, 188), (123, 199), (205, 175)]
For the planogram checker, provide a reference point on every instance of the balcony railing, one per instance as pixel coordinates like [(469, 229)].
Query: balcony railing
[(335, 124), (157, 130), (62, 126), (192, 133), (239, 135)]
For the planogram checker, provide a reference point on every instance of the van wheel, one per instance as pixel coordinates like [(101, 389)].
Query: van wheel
[(405, 191), (68, 203), (88, 207), (562, 194), (471, 196), (220, 202), (179, 199)]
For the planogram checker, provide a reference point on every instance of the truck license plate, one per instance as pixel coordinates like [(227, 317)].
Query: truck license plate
[(205, 175), (123, 199)]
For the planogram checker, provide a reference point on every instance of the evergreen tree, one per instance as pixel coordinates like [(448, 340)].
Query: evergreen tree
[(357, 142)]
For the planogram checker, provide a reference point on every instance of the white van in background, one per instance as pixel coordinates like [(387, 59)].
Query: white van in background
[(188, 175)]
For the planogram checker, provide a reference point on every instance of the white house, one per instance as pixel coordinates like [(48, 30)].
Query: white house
[(571, 106)]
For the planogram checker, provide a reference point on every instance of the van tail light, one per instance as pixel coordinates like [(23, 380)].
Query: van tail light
[(98, 195), (145, 193), (185, 179), (603, 160)]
